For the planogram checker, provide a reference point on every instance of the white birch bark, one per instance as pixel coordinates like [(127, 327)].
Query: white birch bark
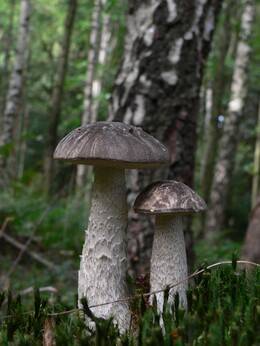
[(14, 93), (228, 142), (88, 90), (105, 38), (157, 88)]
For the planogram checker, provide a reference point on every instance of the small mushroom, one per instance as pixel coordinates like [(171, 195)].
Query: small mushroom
[(110, 147), (168, 201)]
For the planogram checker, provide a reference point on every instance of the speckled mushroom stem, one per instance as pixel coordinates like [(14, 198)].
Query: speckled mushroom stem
[(103, 266), (168, 262)]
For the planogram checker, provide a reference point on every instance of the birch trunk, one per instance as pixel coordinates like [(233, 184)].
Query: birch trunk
[(14, 93), (218, 87), (228, 142), (104, 48), (158, 87), (7, 47), (87, 116), (57, 95)]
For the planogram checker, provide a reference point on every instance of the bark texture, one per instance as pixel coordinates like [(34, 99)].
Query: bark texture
[(228, 142), (103, 266), (14, 93), (251, 249), (57, 95), (7, 48), (169, 261), (87, 116), (256, 172), (215, 97), (157, 88)]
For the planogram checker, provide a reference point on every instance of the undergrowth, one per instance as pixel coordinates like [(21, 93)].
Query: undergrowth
[(224, 309)]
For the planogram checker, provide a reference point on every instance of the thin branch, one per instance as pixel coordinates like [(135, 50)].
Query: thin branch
[(196, 273), (4, 225), (32, 254), (41, 289)]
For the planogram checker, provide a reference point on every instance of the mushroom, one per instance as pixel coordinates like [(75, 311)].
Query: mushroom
[(110, 147), (169, 201)]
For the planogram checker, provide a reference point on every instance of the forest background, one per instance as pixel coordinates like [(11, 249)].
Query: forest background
[(67, 63)]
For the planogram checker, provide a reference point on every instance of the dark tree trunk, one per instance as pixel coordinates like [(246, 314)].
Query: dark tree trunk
[(158, 87), (251, 249), (57, 95)]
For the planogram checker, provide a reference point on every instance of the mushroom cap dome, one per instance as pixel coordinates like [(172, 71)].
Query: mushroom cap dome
[(112, 144), (168, 197)]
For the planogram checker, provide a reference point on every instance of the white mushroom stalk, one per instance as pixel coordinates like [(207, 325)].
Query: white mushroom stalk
[(169, 262), (168, 200), (103, 266), (111, 147)]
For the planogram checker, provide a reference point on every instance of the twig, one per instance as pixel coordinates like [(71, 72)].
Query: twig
[(4, 225), (196, 273), (41, 289), (27, 244), (32, 254)]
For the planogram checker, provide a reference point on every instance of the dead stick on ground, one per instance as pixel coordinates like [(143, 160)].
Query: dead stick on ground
[(27, 244), (41, 289), (32, 254), (4, 225)]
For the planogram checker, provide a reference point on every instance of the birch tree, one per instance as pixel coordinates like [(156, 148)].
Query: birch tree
[(88, 90), (228, 142), (100, 37), (7, 47), (158, 86), (57, 94), (14, 93), (214, 97)]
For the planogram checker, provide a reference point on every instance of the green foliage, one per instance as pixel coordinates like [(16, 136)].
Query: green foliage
[(224, 309), (59, 223)]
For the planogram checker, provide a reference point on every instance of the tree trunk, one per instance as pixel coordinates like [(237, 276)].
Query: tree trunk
[(256, 172), (228, 142), (7, 47), (14, 93), (57, 95), (218, 87), (251, 248), (87, 116), (104, 48), (157, 87)]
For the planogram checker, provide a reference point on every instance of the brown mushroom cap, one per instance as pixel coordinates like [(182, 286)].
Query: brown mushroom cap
[(112, 144), (168, 197)]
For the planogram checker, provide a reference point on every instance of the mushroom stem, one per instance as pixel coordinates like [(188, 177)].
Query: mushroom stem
[(168, 262), (103, 266)]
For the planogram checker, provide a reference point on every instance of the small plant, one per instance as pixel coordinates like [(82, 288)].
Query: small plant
[(224, 309)]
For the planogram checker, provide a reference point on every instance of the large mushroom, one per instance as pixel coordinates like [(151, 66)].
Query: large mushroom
[(169, 201), (111, 147)]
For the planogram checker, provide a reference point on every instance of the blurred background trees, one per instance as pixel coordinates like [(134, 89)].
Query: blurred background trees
[(175, 69)]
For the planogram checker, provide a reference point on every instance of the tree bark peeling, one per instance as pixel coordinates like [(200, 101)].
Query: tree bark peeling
[(158, 86)]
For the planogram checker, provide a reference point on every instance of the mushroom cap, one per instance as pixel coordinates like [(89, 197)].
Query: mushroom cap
[(168, 197), (112, 144)]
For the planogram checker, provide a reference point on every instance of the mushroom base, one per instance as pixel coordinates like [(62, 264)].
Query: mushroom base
[(169, 261), (103, 266)]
